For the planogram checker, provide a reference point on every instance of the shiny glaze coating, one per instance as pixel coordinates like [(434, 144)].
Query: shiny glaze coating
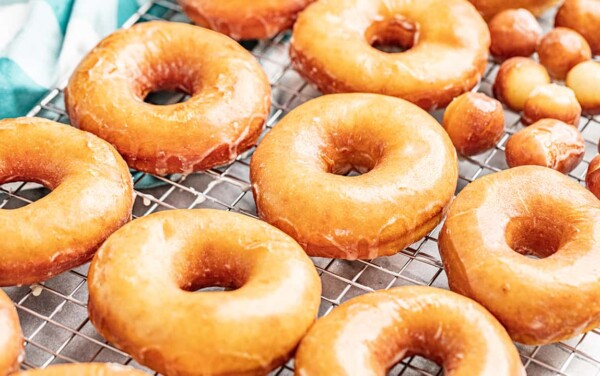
[(332, 47), (582, 16), (474, 122), (369, 334), (554, 102), (92, 196), (230, 97), (584, 80), (562, 49), (499, 219), (515, 80), (409, 175), (489, 8), (514, 32), (142, 298), (547, 142), (243, 19), (592, 177), (11, 339), (84, 369)]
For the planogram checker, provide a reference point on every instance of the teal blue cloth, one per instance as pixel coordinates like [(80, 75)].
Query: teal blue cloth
[(41, 41)]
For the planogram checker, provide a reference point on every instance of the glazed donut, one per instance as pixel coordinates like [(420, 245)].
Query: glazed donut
[(243, 19), (499, 219), (11, 339), (592, 177), (369, 334), (562, 49), (159, 260), (438, 33), (514, 32), (230, 97), (584, 80), (409, 175), (84, 369), (489, 8), (92, 196), (547, 142), (474, 122), (582, 16)]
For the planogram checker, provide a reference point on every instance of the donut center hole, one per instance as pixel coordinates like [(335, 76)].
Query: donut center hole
[(412, 363), (210, 271), (165, 97), (537, 236), (349, 158), (166, 83), (20, 193), (396, 34)]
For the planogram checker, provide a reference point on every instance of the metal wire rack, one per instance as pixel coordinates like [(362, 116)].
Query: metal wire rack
[(54, 315)]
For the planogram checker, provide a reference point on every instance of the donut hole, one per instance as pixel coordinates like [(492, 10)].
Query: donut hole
[(165, 97), (393, 35), (349, 158), (208, 270), (20, 193), (538, 236), (166, 84), (416, 360)]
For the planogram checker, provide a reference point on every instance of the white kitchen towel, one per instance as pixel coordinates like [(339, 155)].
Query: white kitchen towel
[(42, 41)]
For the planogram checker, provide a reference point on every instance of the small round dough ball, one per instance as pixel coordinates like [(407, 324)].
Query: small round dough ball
[(549, 143), (592, 177), (474, 122), (584, 80), (552, 101), (514, 32), (516, 78), (583, 16), (562, 49)]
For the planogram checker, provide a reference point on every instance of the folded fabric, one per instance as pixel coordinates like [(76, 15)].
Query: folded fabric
[(41, 42)]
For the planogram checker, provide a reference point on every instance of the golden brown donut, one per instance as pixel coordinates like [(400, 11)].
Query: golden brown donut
[(369, 334), (554, 102), (92, 196), (84, 369), (582, 16), (498, 220), (230, 97), (547, 142), (562, 49), (514, 32), (409, 175), (515, 80), (584, 80), (332, 47), (474, 122), (11, 339), (243, 19), (489, 8), (592, 177), (142, 298)]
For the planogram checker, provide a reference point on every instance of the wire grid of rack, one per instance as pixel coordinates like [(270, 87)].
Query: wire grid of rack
[(54, 315)]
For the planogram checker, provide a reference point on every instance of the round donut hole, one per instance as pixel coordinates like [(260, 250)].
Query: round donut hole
[(17, 194), (209, 270), (352, 160), (538, 236), (417, 360), (394, 35), (167, 96)]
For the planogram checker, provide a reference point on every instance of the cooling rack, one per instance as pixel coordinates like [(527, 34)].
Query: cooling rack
[(53, 314)]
